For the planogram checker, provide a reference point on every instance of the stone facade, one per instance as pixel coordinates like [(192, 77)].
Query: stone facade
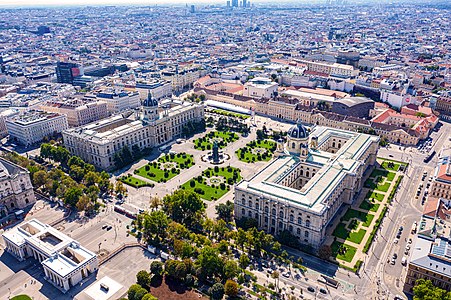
[(303, 188)]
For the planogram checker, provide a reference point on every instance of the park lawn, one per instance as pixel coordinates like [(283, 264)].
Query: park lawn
[(157, 174), (366, 205), (374, 195), (378, 172), (230, 114), (365, 217), (134, 182), (353, 236), (250, 157), (391, 176), (205, 142), (369, 183), (395, 166), (357, 236), (21, 297), (210, 192), (347, 256), (341, 231), (383, 187)]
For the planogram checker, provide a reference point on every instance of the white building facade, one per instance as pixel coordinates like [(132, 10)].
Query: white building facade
[(119, 101), (78, 112), (303, 188), (260, 88), (33, 126), (64, 260), (152, 126), (16, 190)]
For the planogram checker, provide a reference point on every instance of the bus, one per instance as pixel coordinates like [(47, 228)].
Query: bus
[(429, 157)]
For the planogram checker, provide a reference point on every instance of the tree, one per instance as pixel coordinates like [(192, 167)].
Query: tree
[(275, 276), (90, 178), (156, 268), (153, 224), (84, 203), (149, 296), (425, 290), (244, 261), (143, 278), (72, 195), (39, 178), (230, 269), (231, 288), (136, 292), (324, 252), (120, 188), (216, 291), (154, 202), (184, 207), (225, 211), (210, 262)]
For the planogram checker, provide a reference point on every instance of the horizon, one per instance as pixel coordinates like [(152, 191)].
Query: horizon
[(82, 3)]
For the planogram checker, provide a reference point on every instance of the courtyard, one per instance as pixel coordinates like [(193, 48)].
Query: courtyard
[(223, 138), (166, 167)]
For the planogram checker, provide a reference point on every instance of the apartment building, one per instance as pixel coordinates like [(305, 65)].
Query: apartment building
[(33, 126), (118, 101), (78, 112)]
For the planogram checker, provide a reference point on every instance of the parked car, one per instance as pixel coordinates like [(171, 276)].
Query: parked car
[(311, 289), (323, 291)]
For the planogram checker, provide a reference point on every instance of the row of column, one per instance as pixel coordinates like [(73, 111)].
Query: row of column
[(56, 279), (17, 251)]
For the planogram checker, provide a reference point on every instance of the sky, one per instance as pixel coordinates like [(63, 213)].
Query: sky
[(21, 3)]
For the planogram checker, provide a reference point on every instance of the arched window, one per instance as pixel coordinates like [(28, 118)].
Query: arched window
[(298, 231), (291, 218), (333, 145), (290, 228), (307, 174), (249, 213), (339, 145), (256, 216), (299, 220), (273, 211), (243, 201), (266, 209), (307, 223), (302, 172), (306, 233), (250, 204), (281, 214), (280, 225), (256, 206), (293, 145)]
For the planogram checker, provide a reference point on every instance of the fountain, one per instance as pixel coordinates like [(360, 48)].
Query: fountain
[(216, 156)]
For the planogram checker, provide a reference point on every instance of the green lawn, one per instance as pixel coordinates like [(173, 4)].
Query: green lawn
[(383, 187), (391, 176), (366, 205), (135, 182), (374, 195), (21, 297), (395, 166), (378, 172), (230, 114), (366, 218), (223, 137), (346, 253), (353, 236), (200, 185), (245, 154), (166, 167)]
